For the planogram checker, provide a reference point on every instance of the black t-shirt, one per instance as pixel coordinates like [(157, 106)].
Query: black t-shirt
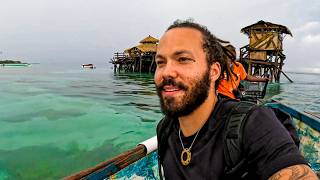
[(268, 148)]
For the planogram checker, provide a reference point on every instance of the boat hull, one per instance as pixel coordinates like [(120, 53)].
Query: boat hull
[(308, 129)]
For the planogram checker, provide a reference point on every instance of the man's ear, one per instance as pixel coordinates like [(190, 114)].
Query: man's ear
[(215, 71)]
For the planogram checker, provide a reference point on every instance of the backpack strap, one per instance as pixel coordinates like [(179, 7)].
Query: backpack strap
[(163, 130), (235, 122)]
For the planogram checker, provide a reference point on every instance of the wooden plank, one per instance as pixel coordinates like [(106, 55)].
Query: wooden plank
[(313, 114), (261, 38), (258, 55), (265, 41), (263, 44), (113, 165), (261, 62)]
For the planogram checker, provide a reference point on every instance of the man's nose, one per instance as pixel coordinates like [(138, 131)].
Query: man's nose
[(170, 70)]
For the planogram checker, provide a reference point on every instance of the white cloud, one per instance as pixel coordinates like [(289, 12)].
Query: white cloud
[(311, 39), (307, 34), (309, 27)]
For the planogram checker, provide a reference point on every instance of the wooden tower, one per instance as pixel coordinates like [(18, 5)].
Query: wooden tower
[(264, 54)]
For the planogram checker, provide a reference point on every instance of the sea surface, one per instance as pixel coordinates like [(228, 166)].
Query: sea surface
[(57, 120)]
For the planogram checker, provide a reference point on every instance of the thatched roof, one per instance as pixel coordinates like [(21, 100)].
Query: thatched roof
[(149, 39), (147, 47), (127, 50), (148, 44), (266, 25), (143, 48)]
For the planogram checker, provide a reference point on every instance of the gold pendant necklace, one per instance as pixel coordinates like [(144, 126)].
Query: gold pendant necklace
[(185, 156), (187, 153)]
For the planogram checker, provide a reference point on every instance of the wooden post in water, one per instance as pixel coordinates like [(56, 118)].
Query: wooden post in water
[(140, 65), (152, 62)]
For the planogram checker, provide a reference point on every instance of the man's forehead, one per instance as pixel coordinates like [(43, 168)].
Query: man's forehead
[(182, 34), (181, 39)]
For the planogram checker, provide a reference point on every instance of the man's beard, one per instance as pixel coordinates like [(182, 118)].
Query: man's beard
[(194, 96)]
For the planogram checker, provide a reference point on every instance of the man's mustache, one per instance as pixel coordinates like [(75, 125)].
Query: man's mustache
[(171, 82)]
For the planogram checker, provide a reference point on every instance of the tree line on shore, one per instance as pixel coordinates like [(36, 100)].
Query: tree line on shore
[(9, 62)]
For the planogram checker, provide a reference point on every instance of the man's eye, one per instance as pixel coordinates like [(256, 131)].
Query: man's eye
[(159, 62), (184, 59)]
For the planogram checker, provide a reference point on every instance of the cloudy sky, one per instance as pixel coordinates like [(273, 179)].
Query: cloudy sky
[(83, 31)]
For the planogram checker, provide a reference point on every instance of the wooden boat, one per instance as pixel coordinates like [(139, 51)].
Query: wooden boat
[(141, 161), (91, 66)]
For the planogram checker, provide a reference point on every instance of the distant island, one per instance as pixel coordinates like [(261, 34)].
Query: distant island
[(13, 63), (10, 62)]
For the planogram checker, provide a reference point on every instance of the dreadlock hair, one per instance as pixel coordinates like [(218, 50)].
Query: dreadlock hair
[(230, 52), (211, 46)]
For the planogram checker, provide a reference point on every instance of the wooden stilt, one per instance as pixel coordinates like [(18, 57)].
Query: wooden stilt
[(152, 62), (140, 65), (284, 74)]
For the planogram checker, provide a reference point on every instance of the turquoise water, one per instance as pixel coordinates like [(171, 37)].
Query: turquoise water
[(303, 94), (58, 120), (55, 121)]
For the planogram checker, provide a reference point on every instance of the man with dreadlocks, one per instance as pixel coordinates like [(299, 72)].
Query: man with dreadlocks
[(229, 84), (190, 137)]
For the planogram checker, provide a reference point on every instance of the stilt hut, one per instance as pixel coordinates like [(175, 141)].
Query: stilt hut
[(264, 53), (139, 58)]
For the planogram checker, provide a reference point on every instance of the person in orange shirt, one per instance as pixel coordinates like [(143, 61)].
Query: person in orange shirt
[(228, 86)]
